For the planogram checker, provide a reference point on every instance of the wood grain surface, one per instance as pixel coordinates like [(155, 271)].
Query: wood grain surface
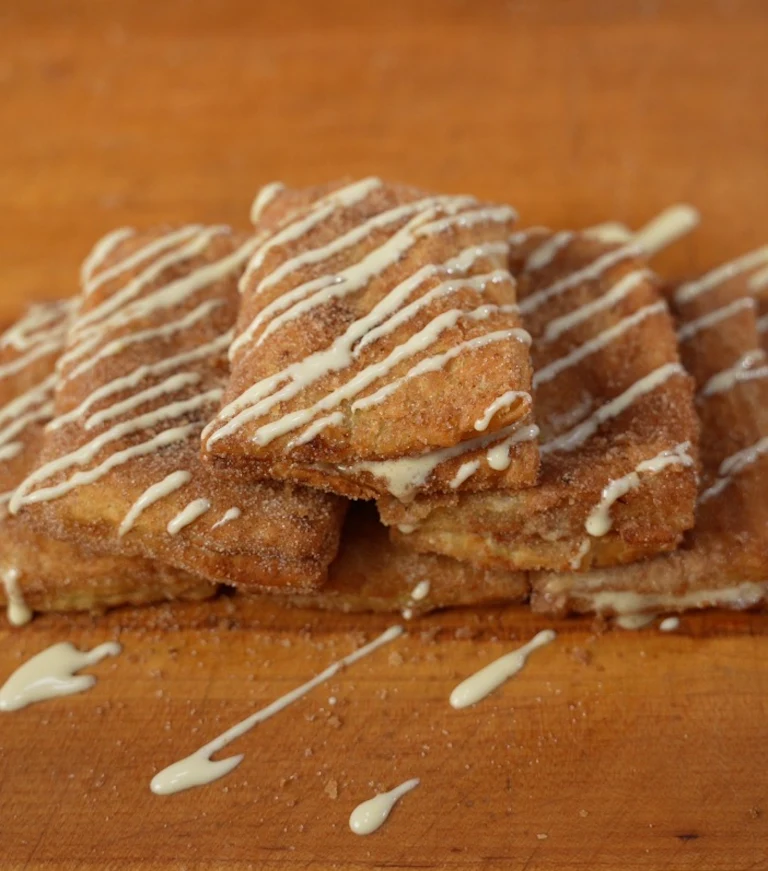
[(611, 750)]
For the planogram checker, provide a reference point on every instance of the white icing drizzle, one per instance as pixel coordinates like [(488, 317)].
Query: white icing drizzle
[(599, 521), (308, 296), (229, 515), (101, 250), (691, 289), (319, 211), (610, 232), (743, 595), (151, 249), (503, 401), (170, 484), (115, 311), (634, 621), (438, 361), (758, 281), (167, 437), (370, 815), (597, 343), (52, 673), (17, 610), (188, 515), (744, 369), (713, 318), (40, 323), (735, 465), (578, 558), (163, 298), (667, 227), (353, 237), (264, 197), (590, 272), (576, 436), (762, 324), (481, 684), (140, 373), (172, 384), (405, 475), (308, 370), (11, 450), (545, 253), (88, 452), (165, 331), (465, 471), (420, 591), (660, 232), (620, 290), (198, 769), (669, 624)]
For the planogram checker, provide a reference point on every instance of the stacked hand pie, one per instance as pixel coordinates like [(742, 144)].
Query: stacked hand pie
[(378, 399)]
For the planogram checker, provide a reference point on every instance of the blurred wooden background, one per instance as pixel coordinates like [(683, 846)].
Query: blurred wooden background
[(621, 751), (575, 110)]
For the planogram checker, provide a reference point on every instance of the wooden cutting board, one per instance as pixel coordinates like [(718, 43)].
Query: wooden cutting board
[(611, 750)]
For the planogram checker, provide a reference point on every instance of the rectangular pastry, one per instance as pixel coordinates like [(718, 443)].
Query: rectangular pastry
[(39, 573), (618, 428), (723, 560), (142, 372), (379, 347), (371, 573)]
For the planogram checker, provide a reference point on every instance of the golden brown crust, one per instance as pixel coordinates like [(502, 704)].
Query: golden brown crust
[(724, 559), (616, 330), (50, 574), (345, 361), (373, 574), (131, 414)]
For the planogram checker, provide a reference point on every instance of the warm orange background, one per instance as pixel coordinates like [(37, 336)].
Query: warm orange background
[(627, 751)]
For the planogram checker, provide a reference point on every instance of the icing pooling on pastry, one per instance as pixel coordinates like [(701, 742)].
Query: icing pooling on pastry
[(170, 484), (669, 624), (370, 815), (576, 436), (17, 610), (745, 369), (599, 521), (52, 673), (405, 475), (735, 465), (481, 684), (198, 768), (713, 318)]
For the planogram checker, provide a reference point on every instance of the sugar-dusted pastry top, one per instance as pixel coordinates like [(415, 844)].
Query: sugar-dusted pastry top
[(36, 571), (142, 372), (618, 428), (379, 347), (723, 560)]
